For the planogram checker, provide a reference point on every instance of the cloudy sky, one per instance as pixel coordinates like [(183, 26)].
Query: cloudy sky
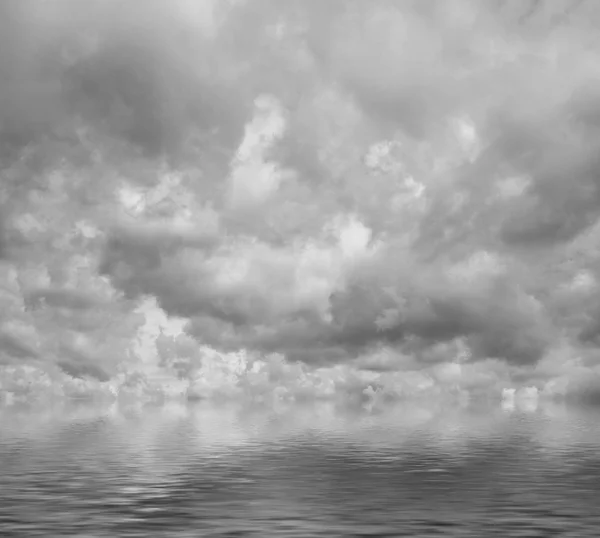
[(306, 198)]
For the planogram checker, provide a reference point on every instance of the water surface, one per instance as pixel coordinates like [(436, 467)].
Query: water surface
[(311, 471)]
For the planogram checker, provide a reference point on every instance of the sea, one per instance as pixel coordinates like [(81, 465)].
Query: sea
[(195, 470)]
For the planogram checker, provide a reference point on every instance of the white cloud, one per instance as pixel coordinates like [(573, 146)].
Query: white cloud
[(253, 178)]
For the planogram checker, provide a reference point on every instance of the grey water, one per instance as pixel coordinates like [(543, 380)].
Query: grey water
[(187, 471)]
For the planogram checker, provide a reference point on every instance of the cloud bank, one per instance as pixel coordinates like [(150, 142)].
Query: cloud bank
[(302, 200)]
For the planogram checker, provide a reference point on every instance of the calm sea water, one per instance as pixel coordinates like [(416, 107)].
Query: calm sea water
[(319, 471)]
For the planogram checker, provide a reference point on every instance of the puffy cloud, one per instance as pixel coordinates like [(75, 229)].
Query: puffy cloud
[(251, 198)]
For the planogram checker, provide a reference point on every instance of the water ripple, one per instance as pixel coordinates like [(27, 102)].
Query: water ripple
[(205, 471)]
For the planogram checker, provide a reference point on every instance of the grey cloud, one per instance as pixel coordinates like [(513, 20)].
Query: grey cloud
[(147, 83), (61, 298), (549, 150), (15, 347), (78, 363), (166, 236), (133, 255), (548, 135), (136, 69), (4, 240), (82, 370), (496, 325), (581, 387), (589, 328), (563, 200)]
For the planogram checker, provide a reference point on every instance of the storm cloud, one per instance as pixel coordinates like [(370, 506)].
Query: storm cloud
[(401, 195)]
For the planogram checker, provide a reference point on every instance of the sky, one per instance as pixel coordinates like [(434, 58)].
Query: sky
[(299, 200)]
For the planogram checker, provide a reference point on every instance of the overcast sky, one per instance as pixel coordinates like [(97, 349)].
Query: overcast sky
[(300, 196)]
